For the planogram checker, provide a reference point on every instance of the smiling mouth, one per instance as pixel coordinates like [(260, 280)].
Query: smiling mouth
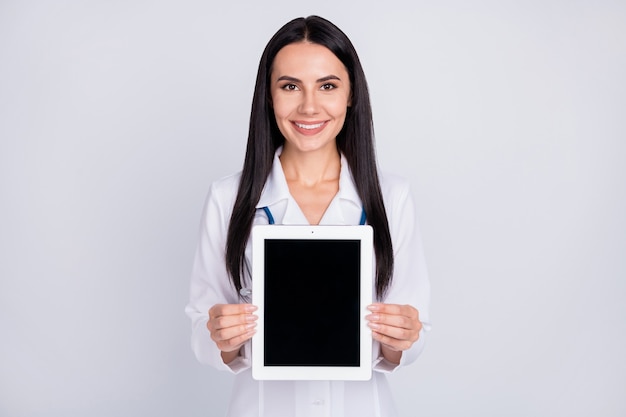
[(309, 127)]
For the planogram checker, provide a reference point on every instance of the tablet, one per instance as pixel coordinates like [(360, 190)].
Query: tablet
[(312, 285)]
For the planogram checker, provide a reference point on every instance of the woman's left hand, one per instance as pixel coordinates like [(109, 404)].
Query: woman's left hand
[(395, 326)]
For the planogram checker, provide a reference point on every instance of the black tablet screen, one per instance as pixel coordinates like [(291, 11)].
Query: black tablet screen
[(312, 302)]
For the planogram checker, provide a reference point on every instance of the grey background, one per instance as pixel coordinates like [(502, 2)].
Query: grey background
[(507, 116)]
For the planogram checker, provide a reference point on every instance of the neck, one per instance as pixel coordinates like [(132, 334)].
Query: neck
[(311, 168)]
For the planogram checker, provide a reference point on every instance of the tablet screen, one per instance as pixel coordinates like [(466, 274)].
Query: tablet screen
[(312, 285), (312, 309)]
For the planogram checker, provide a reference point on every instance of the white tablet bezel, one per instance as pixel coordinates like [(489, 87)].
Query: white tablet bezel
[(361, 233)]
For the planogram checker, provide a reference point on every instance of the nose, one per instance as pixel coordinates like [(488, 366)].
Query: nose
[(309, 104)]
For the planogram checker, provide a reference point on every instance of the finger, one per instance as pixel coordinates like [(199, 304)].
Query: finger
[(235, 342), (394, 309), (397, 333), (219, 310), (403, 322), (223, 322), (233, 332), (392, 343)]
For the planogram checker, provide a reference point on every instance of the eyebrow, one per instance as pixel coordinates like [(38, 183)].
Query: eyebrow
[(319, 80)]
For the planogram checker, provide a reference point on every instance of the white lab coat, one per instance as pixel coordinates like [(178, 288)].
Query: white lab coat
[(210, 285)]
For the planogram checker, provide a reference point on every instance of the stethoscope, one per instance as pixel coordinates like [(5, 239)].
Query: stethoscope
[(270, 218), (247, 292)]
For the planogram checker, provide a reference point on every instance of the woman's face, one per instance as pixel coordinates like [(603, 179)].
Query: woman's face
[(310, 90)]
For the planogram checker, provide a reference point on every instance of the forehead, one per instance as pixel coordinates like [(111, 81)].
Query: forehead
[(305, 58)]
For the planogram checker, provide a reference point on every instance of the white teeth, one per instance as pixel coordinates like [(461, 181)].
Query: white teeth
[(309, 127)]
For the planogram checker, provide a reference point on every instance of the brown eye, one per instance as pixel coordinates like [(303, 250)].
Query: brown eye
[(327, 87), (289, 87)]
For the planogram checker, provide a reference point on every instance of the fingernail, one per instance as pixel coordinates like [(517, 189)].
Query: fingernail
[(251, 317), (372, 317), (250, 308), (374, 326), (250, 325), (373, 307)]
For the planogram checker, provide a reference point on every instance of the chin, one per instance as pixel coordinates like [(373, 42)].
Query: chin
[(303, 146)]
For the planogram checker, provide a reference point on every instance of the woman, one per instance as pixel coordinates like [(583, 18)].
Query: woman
[(310, 160)]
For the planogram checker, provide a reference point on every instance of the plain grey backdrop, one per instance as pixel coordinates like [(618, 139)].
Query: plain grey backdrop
[(509, 118)]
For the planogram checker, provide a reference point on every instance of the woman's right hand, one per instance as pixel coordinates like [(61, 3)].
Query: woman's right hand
[(231, 325)]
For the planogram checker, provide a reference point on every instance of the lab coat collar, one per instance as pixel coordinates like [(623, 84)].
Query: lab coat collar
[(276, 188)]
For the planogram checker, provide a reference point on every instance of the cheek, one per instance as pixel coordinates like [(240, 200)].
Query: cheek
[(339, 104), (281, 110), (281, 115), (339, 108)]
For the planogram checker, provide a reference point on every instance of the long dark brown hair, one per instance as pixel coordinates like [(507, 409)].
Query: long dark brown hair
[(355, 142)]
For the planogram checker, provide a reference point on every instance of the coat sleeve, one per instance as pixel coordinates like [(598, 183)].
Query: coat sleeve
[(410, 284), (210, 281)]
